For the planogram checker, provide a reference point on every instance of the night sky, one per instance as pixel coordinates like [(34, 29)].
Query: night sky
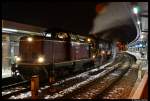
[(73, 16)]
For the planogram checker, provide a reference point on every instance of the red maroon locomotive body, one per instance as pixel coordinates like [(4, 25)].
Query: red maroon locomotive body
[(57, 55)]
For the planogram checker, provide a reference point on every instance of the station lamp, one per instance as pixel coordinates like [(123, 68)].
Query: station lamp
[(142, 36), (140, 45), (89, 40), (138, 22)]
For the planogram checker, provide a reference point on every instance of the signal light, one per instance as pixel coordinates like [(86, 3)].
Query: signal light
[(136, 10)]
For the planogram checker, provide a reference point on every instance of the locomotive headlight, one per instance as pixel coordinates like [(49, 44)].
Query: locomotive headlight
[(18, 59), (30, 39), (40, 59)]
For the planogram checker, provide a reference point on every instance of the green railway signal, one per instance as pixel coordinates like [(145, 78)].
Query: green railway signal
[(136, 9)]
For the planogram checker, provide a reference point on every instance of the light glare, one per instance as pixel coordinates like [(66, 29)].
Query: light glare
[(17, 58), (135, 10), (29, 39), (93, 56), (40, 59), (8, 29), (88, 39), (142, 36), (103, 52), (138, 22)]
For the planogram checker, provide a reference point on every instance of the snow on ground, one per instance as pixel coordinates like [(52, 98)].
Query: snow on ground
[(84, 74), (21, 95), (137, 55), (6, 73), (78, 85), (61, 93), (140, 61), (65, 91)]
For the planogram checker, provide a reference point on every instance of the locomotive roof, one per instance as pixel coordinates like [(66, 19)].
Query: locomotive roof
[(34, 36), (75, 34)]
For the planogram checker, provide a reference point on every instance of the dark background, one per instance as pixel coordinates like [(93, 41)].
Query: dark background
[(72, 16)]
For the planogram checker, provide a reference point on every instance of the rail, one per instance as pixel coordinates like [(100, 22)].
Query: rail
[(16, 84)]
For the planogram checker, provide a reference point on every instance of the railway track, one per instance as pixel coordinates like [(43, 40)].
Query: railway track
[(76, 87), (122, 88), (71, 86), (68, 87), (97, 87), (11, 92), (15, 89), (90, 90), (78, 91)]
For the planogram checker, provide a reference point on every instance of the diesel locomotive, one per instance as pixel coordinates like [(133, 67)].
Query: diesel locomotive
[(58, 55)]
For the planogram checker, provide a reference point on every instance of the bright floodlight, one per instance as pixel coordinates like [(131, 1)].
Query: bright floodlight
[(40, 59), (29, 39), (142, 36), (136, 10), (140, 45), (138, 22)]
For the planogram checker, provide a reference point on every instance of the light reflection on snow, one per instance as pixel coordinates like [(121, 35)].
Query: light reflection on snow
[(84, 74), (78, 85), (21, 95), (65, 91), (12, 90)]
